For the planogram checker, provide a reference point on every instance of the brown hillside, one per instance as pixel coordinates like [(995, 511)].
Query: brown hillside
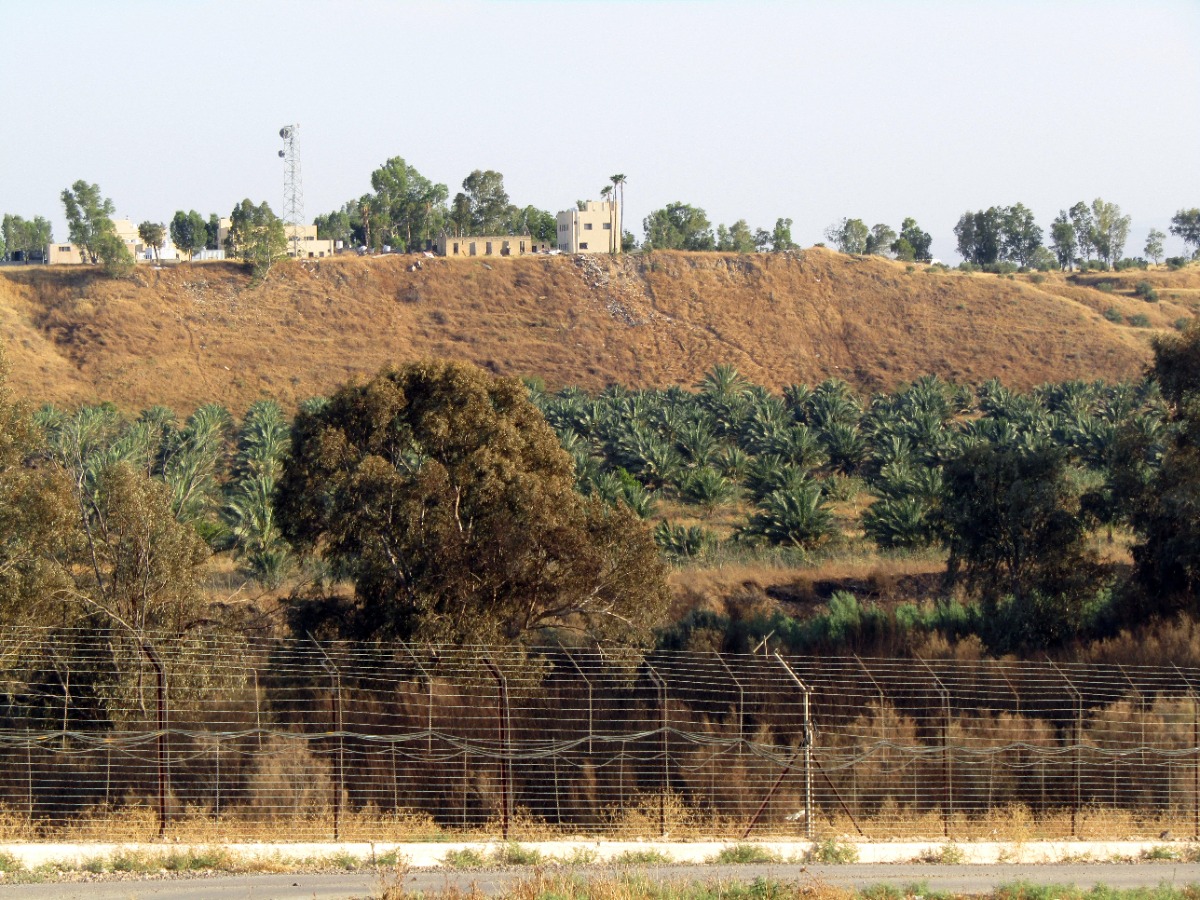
[(197, 333)]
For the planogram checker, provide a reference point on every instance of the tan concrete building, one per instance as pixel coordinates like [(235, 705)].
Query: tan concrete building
[(66, 254), (594, 229), (299, 237), (490, 245)]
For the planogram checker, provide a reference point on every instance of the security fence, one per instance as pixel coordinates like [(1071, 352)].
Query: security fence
[(104, 734)]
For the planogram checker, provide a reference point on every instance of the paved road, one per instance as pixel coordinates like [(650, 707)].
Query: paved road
[(962, 879)]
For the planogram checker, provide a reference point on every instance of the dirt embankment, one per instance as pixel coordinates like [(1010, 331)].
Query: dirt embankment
[(193, 334)]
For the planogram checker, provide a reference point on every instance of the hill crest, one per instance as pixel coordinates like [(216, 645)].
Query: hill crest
[(192, 334)]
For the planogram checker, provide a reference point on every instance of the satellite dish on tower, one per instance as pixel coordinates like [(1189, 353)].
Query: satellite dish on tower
[(285, 132), (282, 154)]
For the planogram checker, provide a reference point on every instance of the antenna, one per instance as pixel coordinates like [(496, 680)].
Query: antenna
[(293, 185)]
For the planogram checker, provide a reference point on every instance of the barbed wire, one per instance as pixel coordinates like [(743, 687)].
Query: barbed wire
[(332, 739)]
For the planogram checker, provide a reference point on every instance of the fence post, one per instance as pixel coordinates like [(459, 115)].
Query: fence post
[(1078, 697), (505, 752), (666, 759), (947, 759), (339, 775), (1196, 751), (428, 699), (161, 740), (806, 746), (741, 729), (588, 682)]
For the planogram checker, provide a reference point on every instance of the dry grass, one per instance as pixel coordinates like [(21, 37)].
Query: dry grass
[(194, 334)]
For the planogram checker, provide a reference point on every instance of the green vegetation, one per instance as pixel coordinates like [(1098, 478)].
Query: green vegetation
[(833, 852), (745, 853)]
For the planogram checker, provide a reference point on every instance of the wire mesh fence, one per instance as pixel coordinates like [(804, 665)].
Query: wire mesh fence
[(107, 736)]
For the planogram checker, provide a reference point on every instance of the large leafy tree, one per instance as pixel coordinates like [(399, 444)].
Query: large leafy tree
[(1168, 520), (89, 218), (256, 236), (487, 201), (678, 226), (849, 235), (1022, 235), (1110, 230), (1080, 216), (980, 235), (441, 492), (154, 235), (1063, 240), (189, 232), (1186, 225), (1010, 519), (737, 238), (25, 237), (412, 205), (36, 518), (914, 238), (881, 239)]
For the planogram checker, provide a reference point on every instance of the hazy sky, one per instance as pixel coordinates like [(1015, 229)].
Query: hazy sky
[(813, 111)]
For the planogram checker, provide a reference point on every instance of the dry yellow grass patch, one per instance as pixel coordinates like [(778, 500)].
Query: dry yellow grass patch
[(199, 333)]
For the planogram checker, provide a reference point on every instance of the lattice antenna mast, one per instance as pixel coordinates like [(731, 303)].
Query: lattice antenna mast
[(293, 185)]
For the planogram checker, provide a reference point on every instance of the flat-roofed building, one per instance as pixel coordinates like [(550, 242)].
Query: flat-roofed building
[(302, 240), (65, 253), (594, 229), (490, 245)]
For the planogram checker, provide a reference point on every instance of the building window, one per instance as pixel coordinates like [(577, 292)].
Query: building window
[(587, 226), (608, 226), (583, 246)]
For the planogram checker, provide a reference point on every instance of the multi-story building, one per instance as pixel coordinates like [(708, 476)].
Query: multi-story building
[(594, 229)]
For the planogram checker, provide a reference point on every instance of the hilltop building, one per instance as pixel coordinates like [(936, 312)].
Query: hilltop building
[(594, 229), (489, 245), (302, 236), (66, 254)]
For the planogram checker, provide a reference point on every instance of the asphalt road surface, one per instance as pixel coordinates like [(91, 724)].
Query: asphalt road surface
[(338, 886)]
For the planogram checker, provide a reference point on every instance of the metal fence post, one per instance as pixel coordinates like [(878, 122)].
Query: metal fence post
[(666, 759), (1078, 697), (505, 750), (1195, 750), (161, 757), (588, 683), (947, 759), (339, 778)]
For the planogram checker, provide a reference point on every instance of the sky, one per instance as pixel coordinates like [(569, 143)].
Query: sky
[(871, 109)]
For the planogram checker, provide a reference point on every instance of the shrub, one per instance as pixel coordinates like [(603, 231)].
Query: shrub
[(831, 852), (1113, 315), (1131, 262), (1182, 323), (513, 854), (745, 853), (1146, 291), (1037, 277), (683, 542), (1141, 320), (1177, 262), (642, 857), (1105, 286), (464, 859)]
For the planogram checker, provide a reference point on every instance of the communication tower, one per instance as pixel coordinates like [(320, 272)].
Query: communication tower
[(293, 185)]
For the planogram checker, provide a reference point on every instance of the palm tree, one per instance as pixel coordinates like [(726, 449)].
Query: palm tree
[(618, 184)]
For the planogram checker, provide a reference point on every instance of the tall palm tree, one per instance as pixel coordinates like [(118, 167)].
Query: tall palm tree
[(618, 184)]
